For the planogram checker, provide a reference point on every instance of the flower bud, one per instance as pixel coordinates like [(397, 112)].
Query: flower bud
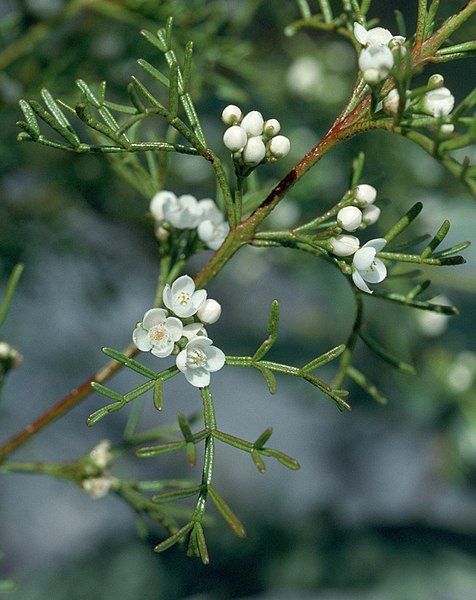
[(160, 202), (279, 146), (231, 115), (253, 123), (9, 357), (439, 102), (235, 138), (391, 102), (271, 127), (375, 63), (371, 214), (209, 312), (344, 245), (436, 81), (254, 151), (349, 218), (447, 129), (161, 233), (365, 193)]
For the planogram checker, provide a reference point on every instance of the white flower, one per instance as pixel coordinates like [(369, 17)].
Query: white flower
[(160, 202), (271, 127), (377, 36), (98, 487), (439, 102), (254, 151), (367, 267), (304, 76), (253, 123), (9, 356), (344, 245), (391, 102), (431, 323), (231, 115), (235, 138), (184, 214), (349, 218), (209, 312), (101, 454), (210, 211), (182, 298), (375, 63), (365, 193), (279, 146), (213, 233), (198, 360), (447, 129), (157, 333), (371, 214), (194, 330)]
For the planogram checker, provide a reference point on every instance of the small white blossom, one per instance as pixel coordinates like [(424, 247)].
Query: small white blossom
[(213, 233), (367, 267), (375, 62), (194, 330), (157, 333), (304, 76), (344, 245), (279, 146), (210, 210), (349, 218), (184, 214), (10, 355), (231, 115), (431, 323), (253, 123), (365, 193), (254, 151), (447, 129), (101, 454), (182, 298), (209, 312), (391, 102), (198, 359), (271, 127), (377, 36), (439, 102), (371, 214), (160, 202), (235, 138), (98, 487)]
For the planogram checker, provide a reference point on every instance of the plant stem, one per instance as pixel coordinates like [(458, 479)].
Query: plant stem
[(209, 420), (351, 341)]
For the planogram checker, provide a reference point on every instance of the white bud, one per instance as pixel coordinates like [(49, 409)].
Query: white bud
[(231, 115), (371, 214), (209, 312), (160, 202), (391, 102), (254, 151), (271, 127), (161, 233), (365, 193), (344, 245), (439, 102), (375, 63), (447, 129), (253, 123), (436, 81), (279, 146), (349, 218), (235, 138)]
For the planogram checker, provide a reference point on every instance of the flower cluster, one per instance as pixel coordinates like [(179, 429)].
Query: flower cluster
[(366, 267), (183, 333), (376, 58), (186, 212), (251, 139)]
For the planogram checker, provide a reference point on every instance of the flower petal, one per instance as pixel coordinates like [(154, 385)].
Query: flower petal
[(194, 330), (363, 258), (199, 342), (183, 284), (164, 349), (174, 328), (141, 339), (376, 273), (154, 316), (197, 377), (360, 283), (215, 358), (167, 296), (181, 361), (198, 298), (378, 244), (360, 33)]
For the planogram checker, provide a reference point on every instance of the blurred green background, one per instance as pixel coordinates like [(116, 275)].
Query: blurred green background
[(384, 505)]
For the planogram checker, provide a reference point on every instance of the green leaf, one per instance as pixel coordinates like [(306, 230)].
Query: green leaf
[(10, 291), (201, 543), (58, 114), (386, 355), (269, 378), (263, 438), (173, 495), (284, 459), (105, 391), (369, 387), (273, 330), (357, 168), (321, 385), (148, 451), (422, 305), (173, 539), (436, 241), (102, 412), (30, 118), (159, 394), (154, 40), (187, 66), (153, 72), (323, 359), (453, 250), (130, 363), (226, 512), (259, 462), (404, 222), (173, 90), (185, 427)]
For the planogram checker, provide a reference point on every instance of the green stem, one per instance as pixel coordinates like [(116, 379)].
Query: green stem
[(351, 341), (209, 420)]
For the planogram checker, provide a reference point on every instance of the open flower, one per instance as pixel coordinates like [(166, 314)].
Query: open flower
[(377, 36), (157, 333), (439, 102), (101, 454), (212, 233), (194, 330), (185, 213), (198, 359), (98, 487), (367, 267), (182, 298)]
